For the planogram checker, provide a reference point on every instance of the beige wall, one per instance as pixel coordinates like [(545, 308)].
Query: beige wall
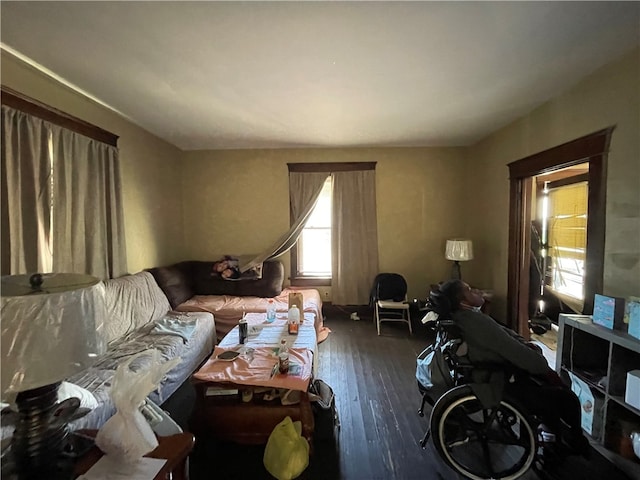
[(608, 97), (150, 168), (237, 202)]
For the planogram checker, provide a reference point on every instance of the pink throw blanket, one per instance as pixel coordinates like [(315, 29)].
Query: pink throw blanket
[(257, 370), (228, 310)]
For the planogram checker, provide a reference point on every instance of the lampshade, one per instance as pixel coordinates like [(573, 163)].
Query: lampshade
[(51, 330), (52, 327), (459, 250)]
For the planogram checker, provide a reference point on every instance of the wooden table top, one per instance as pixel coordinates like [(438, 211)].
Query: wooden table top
[(173, 448)]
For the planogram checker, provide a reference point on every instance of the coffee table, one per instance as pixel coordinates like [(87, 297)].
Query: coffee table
[(219, 407)]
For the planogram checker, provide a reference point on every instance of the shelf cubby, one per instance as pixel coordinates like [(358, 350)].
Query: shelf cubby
[(601, 358), (623, 360)]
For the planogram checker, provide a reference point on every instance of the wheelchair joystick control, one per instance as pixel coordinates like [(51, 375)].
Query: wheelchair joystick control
[(548, 437), (545, 435)]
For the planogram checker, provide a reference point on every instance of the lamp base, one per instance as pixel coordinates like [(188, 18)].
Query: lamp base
[(455, 271), (41, 433)]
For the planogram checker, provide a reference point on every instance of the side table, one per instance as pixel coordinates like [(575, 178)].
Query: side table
[(174, 448)]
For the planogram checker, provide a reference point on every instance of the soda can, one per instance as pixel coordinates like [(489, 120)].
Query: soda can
[(243, 331)]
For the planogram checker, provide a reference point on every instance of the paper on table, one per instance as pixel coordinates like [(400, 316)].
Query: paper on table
[(110, 469)]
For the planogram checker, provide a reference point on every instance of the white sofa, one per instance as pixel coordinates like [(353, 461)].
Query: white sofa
[(135, 306)]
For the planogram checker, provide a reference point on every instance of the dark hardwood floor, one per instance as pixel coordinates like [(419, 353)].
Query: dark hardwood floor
[(377, 398)]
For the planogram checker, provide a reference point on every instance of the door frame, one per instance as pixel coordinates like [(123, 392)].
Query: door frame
[(591, 149)]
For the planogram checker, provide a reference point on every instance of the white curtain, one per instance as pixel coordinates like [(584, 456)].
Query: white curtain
[(354, 237), (304, 190), (61, 200), (26, 193), (88, 232)]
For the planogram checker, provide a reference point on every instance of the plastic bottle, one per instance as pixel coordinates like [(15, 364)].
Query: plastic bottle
[(283, 357), (271, 311), (283, 363), (293, 319)]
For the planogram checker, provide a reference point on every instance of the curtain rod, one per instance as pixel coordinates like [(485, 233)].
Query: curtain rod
[(24, 103), (331, 166)]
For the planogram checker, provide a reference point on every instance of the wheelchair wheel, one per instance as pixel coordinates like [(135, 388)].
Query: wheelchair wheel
[(479, 443)]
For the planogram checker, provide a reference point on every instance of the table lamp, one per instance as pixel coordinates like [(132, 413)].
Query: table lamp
[(458, 250), (51, 328)]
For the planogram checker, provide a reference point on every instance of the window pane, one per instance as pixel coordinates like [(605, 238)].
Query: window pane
[(316, 253), (567, 277), (567, 225), (321, 215), (314, 244)]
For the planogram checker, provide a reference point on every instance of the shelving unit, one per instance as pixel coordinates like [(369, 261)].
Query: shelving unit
[(601, 358)]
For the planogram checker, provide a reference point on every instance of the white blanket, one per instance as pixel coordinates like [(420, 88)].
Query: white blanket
[(171, 325)]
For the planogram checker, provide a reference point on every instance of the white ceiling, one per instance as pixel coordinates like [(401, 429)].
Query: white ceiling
[(219, 75)]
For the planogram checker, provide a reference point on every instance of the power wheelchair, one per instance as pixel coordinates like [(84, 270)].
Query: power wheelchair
[(478, 429)]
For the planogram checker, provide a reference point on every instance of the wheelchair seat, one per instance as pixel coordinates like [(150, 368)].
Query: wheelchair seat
[(477, 434)]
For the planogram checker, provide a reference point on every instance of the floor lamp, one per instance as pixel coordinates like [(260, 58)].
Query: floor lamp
[(51, 328), (458, 250)]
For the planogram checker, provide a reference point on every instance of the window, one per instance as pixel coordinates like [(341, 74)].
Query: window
[(590, 150), (333, 242), (314, 243), (61, 197), (566, 231)]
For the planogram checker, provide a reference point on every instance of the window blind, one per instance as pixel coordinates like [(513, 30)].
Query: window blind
[(568, 221), (567, 224)]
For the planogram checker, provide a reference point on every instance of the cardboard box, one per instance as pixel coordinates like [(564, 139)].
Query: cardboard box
[(295, 298), (609, 312), (632, 316), (632, 392)]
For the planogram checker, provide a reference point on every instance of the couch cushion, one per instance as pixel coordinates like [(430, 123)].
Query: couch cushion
[(175, 281), (270, 285), (132, 301), (97, 379)]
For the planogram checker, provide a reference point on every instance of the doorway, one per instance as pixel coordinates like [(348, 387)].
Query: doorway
[(588, 152)]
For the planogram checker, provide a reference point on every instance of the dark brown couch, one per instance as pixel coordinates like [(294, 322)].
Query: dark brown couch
[(183, 280)]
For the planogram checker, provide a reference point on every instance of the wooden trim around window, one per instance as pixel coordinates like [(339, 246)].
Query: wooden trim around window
[(591, 149), (310, 281), (331, 167), (29, 105), (563, 156), (311, 168), (568, 181)]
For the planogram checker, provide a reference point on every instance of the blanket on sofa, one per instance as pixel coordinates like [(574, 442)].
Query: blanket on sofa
[(97, 379), (183, 327), (135, 304), (227, 310)]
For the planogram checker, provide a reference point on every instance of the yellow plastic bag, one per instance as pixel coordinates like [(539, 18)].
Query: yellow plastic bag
[(287, 452)]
